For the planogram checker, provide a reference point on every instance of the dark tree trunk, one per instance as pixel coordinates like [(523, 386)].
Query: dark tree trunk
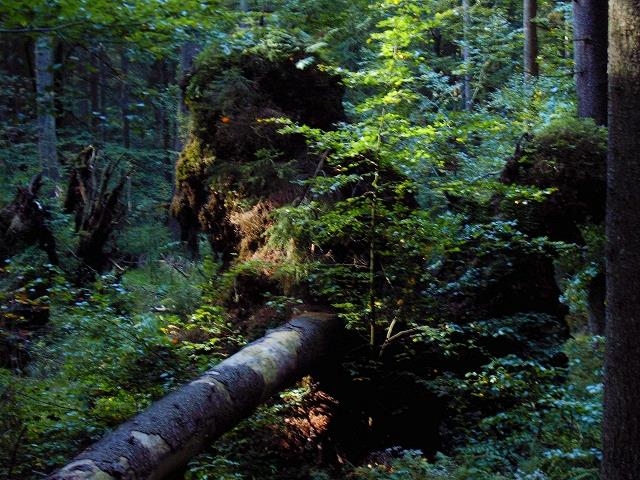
[(621, 429), (466, 57), (16, 63), (188, 52), (163, 438), (102, 88), (31, 69), (596, 294), (47, 140), (436, 35), (160, 78), (84, 73), (530, 10), (512, 12), (63, 116), (124, 100), (94, 87), (590, 54)]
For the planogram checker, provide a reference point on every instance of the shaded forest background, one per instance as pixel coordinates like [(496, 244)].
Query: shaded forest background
[(178, 177)]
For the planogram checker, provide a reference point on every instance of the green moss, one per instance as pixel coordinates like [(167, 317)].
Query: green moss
[(115, 409), (567, 159), (574, 148), (238, 164), (193, 161)]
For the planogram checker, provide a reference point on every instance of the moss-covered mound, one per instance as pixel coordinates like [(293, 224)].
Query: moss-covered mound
[(237, 167), (569, 157)]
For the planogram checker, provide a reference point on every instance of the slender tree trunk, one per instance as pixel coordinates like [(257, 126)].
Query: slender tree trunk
[(590, 54), (94, 88), (166, 122), (466, 57), (596, 297), (29, 49), (102, 89), (124, 99), (47, 140), (84, 74), (63, 116), (160, 78), (188, 52), (165, 436), (621, 439), (436, 35), (567, 40), (530, 10), (511, 12), (15, 51)]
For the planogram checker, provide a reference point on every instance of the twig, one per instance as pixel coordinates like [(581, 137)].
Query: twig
[(175, 267), (319, 167), (399, 335), (484, 175)]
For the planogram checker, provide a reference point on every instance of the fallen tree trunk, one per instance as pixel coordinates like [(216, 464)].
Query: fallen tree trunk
[(164, 437)]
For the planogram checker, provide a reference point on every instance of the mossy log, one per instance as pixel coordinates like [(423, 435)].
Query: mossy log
[(164, 437)]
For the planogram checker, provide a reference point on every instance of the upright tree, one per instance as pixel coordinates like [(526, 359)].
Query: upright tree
[(466, 56), (622, 361), (590, 54), (530, 10), (188, 52), (47, 140), (124, 99), (95, 81)]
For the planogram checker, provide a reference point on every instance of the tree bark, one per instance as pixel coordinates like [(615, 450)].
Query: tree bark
[(165, 124), (102, 83), (596, 296), (436, 35), (188, 52), (466, 57), (621, 430), (47, 140), (15, 65), (97, 205), (63, 116), (124, 100), (94, 88), (590, 55), (171, 431), (530, 10), (590, 58)]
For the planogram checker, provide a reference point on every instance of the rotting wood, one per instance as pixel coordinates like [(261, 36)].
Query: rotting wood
[(164, 437)]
